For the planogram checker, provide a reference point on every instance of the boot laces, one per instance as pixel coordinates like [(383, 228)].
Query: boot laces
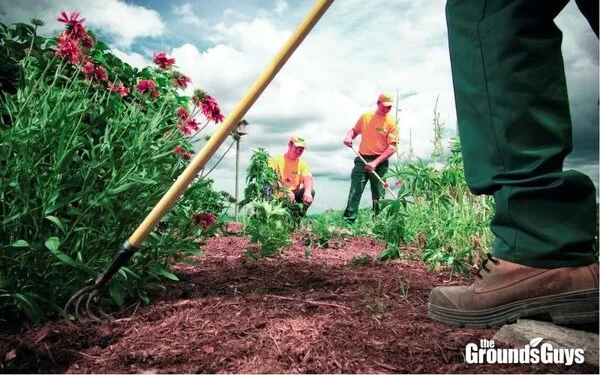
[(483, 265)]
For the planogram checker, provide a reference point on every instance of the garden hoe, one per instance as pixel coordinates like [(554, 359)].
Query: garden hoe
[(385, 184), (93, 291)]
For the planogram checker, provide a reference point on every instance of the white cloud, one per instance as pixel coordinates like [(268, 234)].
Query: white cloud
[(111, 16), (280, 7), (187, 16)]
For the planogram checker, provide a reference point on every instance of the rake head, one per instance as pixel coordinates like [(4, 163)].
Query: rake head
[(83, 299), (82, 305)]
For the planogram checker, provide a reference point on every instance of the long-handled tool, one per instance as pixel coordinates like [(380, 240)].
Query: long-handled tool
[(92, 292), (385, 184)]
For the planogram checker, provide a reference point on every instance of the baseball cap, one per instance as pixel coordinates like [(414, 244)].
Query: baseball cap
[(385, 99), (298, 141)]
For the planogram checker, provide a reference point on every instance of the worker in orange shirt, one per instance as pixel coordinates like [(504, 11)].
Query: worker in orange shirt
[(295, 176), (378, 142)]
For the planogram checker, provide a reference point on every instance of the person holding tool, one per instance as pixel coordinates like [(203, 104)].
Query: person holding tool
[(378, 142), (515, 131)]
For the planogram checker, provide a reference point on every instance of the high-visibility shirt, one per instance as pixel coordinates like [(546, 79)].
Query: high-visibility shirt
[(290, 172), (377, 132)]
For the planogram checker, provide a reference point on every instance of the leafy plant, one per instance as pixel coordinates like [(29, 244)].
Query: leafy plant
[(88, 145), (270, 227)]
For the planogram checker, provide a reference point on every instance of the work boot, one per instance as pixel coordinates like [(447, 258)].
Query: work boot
[(504, 292)]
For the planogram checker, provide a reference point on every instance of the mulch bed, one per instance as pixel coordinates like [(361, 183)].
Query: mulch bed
[(316, 314)]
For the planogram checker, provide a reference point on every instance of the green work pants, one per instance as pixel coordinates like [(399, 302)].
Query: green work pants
[(515, 129), (358, 181)]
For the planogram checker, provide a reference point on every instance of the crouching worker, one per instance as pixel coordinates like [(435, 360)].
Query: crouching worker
[(295, 176)]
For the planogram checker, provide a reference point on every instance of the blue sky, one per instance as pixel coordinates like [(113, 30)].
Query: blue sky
[(358, 49)]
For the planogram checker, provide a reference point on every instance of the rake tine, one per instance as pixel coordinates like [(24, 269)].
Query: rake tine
[(92, 295), (76, 297), (79, 300), (104, 315)]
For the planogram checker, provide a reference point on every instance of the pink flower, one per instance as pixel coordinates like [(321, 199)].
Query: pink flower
[(210, 109), (71, 19), (386, 185), (119, 89), (75, 29), (68, 49), (162, 60), (98, 74), (179, 151), (145, 85), (183, 113), (148, 85), (205, 220), (181, 81)]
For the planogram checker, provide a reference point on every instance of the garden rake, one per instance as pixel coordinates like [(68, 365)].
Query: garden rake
[(93, 292), (385, 184)]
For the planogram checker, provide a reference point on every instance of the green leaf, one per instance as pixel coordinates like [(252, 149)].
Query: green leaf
[(52, 244), (143, 180), (116, 294), (167, 274), (19, 243), (56, 221)]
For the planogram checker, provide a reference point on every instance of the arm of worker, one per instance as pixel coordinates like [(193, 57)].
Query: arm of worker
[(381, 158), (350, 137), (308, 187)]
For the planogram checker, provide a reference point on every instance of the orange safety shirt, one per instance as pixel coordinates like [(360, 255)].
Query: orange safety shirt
[(377, 132), (290, 172)]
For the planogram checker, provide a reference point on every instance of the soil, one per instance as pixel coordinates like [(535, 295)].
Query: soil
[(334, 311)]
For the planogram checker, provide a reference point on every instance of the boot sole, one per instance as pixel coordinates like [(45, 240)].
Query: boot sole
[(579, 307)]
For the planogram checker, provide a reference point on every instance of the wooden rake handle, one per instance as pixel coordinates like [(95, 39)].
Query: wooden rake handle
[(385, 184)]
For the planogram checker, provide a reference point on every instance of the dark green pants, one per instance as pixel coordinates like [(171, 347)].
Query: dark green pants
[(358, 182), (515, 129)]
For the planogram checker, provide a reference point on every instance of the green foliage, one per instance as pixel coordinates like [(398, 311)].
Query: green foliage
[(260, 179), (437, 214), (81, 166), (270, 226)]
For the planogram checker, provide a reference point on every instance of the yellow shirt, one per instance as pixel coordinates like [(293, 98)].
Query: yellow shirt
[(377, 132), (290, 172)]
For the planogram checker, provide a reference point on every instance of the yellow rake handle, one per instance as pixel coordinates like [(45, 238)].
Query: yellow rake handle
[(385, 184), (188, 175)]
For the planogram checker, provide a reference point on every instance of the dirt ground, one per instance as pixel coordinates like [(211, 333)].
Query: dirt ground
[(294, 314)]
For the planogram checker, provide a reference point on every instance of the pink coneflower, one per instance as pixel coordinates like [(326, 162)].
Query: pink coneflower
[(205, 220), (179, 151), (98, 74), (148, 85), (145, 85), (183, 113), (210, 109), (119, 89), (75, 29), (162, 60), (181, 81), (188, 127), (68, 49)]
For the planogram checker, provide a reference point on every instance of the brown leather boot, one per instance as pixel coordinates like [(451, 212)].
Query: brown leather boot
[(504, 292)]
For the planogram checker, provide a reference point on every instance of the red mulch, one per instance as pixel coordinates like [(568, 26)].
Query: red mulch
[(291, 314)]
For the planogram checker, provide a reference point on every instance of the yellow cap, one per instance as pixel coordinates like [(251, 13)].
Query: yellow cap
[(385, 99), (298, 141)]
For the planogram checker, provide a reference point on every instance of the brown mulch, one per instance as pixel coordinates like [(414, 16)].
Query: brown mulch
[(318, 314)]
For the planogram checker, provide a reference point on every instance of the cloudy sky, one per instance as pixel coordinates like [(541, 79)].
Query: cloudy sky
[(358, 49)]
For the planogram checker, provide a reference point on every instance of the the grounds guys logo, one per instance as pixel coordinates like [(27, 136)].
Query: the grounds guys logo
[(532, 353)]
